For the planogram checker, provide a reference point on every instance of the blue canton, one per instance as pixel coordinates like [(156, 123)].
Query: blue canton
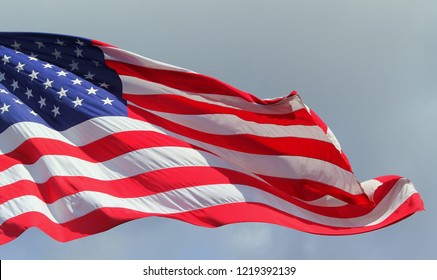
[(55, 80)]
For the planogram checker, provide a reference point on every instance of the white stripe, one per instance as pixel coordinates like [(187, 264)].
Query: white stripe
[(137, 86), (123, 166), (401, 191), (333, 139), (193, 198), (223, 124), (78, 135), (370, 186), (113, 53), (292, 167), (325, 201)]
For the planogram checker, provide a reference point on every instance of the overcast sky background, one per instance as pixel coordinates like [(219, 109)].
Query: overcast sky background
[(368, 68)]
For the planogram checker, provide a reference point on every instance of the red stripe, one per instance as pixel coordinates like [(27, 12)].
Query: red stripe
[(311, 190), (186, 81), (319, 121), (100, 43), (324, 127), (81, 227), (181, 105), (252, 212), (250, 143), (144, 184), (208, 217), (101, 150)]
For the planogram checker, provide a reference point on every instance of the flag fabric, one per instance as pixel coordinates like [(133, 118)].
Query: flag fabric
[(92, 136)]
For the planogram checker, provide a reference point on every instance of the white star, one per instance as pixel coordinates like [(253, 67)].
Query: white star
[(2, 76), (74, 65), (40, 44), (18, 101), (48, 83), (92, 90), (33, 56), (78, 52), (59, 42), (55, 111), (33, 113), (42, 102), (96, 63), (104, 85), (5, 59), (89, 76), (47, 65), (16, 46), (57, 54), (62, 92), (107, 101), (28, 93), (20, 67), (62, 73), (77, 82), (5, 108), (80, 43), (15, 85), (34, 75), (77, 102)]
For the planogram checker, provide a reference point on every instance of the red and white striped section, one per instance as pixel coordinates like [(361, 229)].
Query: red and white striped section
[(194, 149), (281, 141)]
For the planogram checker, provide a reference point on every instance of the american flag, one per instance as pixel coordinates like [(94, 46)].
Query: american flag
[(92, 136)]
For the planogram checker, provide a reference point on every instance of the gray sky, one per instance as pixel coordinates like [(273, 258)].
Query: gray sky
[(368, 68)]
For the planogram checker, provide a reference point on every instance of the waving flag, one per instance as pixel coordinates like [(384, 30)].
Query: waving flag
[(92, 136)]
